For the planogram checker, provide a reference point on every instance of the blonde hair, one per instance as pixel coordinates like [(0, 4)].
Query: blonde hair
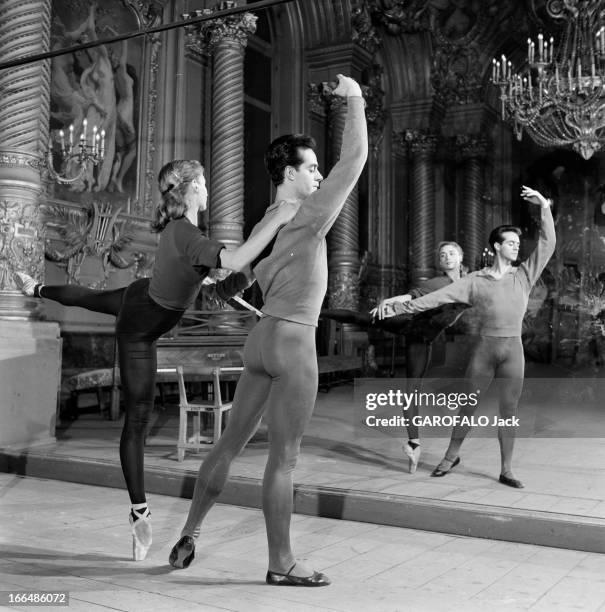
[(463, 268), (173, 182)]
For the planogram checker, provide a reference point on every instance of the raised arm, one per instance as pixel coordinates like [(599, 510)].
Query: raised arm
[(322, 207), (536, 262)]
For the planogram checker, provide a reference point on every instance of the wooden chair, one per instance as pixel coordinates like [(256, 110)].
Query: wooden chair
[(197, 406)]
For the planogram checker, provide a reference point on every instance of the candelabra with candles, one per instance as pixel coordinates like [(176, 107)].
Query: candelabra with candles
[(487, 258), (558, 97), (85, 153)]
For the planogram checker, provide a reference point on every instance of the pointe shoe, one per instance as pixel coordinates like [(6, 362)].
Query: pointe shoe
[(182, 553), (25, 283), (141, 531), (438, 471), (413, 455), (317, 579), (511, 482)]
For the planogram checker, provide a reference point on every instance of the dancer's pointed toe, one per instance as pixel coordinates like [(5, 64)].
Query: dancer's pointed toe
[(140, 523), (25, 283), (413, 455)]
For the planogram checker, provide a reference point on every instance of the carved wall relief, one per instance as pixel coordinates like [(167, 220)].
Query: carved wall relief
[(100, 232), (21, 233)]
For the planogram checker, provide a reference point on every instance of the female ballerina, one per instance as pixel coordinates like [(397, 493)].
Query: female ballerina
[(418, 351), (280, 361), (148, 308)]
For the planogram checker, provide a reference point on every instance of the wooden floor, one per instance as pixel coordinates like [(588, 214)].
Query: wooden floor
[(64, 537), (345, 472)]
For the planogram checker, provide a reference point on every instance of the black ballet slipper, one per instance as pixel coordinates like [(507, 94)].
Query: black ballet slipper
[(438, 472), (511, 482), (317, 579), (182, 553)]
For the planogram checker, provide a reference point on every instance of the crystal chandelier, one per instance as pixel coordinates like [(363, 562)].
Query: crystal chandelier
[(558, 96), (75, 162)]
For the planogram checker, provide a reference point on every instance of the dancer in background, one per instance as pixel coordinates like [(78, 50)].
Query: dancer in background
[(499, 295), (280, 361), (148, 308), (419, 351)]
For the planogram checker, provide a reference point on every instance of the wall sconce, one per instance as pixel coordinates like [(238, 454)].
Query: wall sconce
[(75, 159)]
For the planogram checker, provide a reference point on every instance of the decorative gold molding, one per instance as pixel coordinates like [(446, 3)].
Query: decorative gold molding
[(344, 289), (21, 159), (322, 101), (316, 97), (362, 28), (145, 207), (457, 73), (400, 143), (401, 16), (374, 95), (337, 105), (99, 231), (204, 37), (148, 12), (21, 235), (421, 144), (469, 147)]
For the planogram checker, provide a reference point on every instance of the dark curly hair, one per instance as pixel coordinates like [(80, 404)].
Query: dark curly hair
[(285, 151), (496, 235)]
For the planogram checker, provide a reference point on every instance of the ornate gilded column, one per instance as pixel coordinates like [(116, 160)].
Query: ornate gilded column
[(24, 110), (343, 260), (30, 350), (422, 206), (472, 151), (226, 39)]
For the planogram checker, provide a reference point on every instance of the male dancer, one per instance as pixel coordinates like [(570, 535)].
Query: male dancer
[(280, 361)]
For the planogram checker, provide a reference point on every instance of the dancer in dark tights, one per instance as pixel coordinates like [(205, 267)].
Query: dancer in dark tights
[(148, 308), (280, 360), (419, 351), (499, 296)]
